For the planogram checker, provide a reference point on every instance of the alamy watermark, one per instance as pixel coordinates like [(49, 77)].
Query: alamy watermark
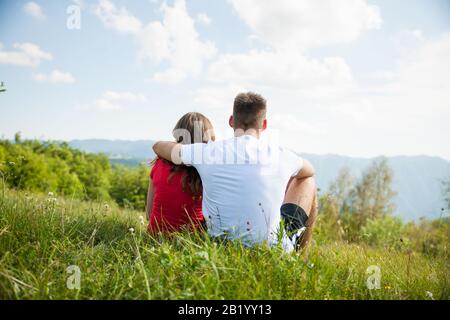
[(74, 279), (73, 21), (374, 280)]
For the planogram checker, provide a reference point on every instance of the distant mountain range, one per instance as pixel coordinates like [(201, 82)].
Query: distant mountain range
[(117, 149), (417, 179)]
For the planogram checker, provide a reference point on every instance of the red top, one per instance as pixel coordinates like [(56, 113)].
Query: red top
[(172, 207)]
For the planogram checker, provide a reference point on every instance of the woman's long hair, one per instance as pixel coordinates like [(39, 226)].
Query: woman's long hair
[(193, 127)]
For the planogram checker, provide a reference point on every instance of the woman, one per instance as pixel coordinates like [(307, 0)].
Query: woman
[(174, 199)]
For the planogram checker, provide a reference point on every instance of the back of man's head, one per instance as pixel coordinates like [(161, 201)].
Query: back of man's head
[(249, 111)]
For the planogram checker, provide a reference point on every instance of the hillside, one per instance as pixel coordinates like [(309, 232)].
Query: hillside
[(417, 179), (44, 166), (45, 239)]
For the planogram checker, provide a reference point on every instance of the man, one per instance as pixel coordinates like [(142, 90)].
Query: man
[(246, 179)]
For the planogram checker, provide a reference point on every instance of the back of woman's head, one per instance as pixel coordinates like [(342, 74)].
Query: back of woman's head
[(193, 127)]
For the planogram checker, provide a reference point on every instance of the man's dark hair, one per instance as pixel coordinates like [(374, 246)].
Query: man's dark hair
[(249, 111)]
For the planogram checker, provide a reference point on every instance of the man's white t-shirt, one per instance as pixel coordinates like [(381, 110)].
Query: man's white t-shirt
[(244, 182)]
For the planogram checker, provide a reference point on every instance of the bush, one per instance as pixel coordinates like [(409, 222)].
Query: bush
[(387, 231), (430, 237), (129, 186), (328, 226), (55, 167)]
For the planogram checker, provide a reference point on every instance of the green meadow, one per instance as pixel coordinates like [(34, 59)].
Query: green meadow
[(73, 226), (41, 236)]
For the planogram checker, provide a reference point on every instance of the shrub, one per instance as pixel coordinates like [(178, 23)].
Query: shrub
[(430, 237), (55, 167), (386, 231), (129, 186)]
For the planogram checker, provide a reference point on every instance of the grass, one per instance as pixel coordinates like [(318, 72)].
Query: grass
[(40, 237)]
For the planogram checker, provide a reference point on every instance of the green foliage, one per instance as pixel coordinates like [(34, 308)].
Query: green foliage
[(371, 196), (360, 212), (129, 186), (329, 223), (430, 237), (446, 193), (55, 167), (41, 236), (349, 205), (17, 137), (386, 231)]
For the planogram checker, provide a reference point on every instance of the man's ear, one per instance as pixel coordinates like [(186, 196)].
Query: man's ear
[(264, 126), (231, 121)]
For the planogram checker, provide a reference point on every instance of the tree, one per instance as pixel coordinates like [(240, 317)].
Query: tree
[(372, 195), (341, 189), (18, 138), (55, 167), (129, 186), (446, 192), (334, 205)]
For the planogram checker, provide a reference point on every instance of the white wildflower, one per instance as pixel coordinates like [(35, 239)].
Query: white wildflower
[(203, 255), (141, 220), (131, 230), (429, 295), (52, 200)]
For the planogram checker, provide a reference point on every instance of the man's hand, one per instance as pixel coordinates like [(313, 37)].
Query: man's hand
[(170, 151), (306, 171)]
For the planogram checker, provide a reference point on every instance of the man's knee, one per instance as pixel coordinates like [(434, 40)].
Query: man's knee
[(301, 192)]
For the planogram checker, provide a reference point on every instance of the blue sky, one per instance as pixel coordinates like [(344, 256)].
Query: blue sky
[(354, 77)]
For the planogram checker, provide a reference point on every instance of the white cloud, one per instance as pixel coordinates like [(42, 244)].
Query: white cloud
[(382, 75), (118, 19), (174, 40), (407, 114), (303, 24), (55, 76), (289, 28), (26, 54), (407, 40), (309, 98), (297, 132), (112, 100), (283, 70), (204, 19), (34, 10), (124, 96), (319, 107), (422, 82), (170, 76), (220, 97), (154, 43)]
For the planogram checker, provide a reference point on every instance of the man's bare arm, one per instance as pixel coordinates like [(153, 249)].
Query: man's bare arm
[(170, 151), (306, 171)]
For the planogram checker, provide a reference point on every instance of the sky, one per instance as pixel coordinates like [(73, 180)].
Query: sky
[(352, 77)]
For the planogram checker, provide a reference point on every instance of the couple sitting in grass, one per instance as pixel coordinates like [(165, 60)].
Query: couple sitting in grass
[(246, 188)]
